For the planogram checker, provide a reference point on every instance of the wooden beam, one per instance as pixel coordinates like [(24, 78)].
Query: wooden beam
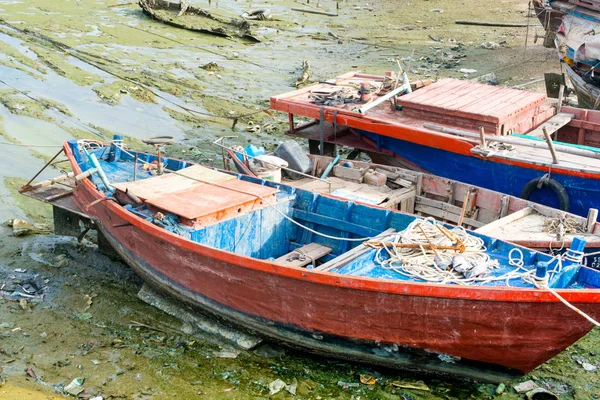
[(555, 159), (304, 255), (505, 220), (591, 220)]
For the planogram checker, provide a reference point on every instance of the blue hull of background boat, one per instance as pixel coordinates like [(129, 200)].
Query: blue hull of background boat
[(510, 179)]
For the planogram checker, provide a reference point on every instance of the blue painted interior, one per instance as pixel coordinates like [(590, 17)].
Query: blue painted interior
[(583, 193), (266, 234)]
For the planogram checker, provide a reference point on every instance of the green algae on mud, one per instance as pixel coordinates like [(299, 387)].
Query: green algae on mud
[(170, 364), (18, 60), (34, 209), (111, 92), (19, 104)]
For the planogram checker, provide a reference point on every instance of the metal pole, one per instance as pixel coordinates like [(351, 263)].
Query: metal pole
[(223, 154), (363, 110), (45, 166), (135, 161)]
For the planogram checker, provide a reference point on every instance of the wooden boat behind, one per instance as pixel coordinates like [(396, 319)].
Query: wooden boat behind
[(495, 214), (291, 265), (588, 95), (438, 130), (181, 14)]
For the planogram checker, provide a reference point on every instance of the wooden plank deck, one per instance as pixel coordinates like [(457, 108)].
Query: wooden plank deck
[(206, 204), (160, 185), (471, 99), (552, 125)]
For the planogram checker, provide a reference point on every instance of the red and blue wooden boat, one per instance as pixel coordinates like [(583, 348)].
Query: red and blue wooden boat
[(216, 240), (437, 129)]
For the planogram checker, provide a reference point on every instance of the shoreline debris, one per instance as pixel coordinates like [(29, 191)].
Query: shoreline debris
[(227, 28), (305, 74)]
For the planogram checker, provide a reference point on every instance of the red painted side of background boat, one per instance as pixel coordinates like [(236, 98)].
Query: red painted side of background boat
[(510, 327)]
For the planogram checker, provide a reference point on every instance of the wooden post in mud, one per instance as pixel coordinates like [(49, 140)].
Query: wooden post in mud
[(291, 121)]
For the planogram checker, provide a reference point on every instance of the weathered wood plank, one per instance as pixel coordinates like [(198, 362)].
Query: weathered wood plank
[(304, 255), (552, 125), (505, 220), (441, 210)]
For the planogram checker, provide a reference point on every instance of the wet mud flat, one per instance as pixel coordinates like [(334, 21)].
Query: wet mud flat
[(90, 69)]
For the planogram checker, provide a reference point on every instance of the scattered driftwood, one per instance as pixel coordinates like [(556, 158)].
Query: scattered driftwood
[(481, 23), (304, 10), (305, 74), (185, 16)]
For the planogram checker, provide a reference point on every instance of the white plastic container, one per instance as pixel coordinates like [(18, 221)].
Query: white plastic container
[(267, 167)]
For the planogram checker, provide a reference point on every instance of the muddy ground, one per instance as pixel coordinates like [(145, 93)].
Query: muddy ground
[(90, 69)]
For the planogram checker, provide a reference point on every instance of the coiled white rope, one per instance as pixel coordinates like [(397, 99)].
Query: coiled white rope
[(426, 261)]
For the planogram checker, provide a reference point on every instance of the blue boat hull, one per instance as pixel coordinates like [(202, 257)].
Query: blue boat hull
[(583, 193)]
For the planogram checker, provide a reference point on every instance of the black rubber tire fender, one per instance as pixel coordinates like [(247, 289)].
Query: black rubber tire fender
[(557, 187)]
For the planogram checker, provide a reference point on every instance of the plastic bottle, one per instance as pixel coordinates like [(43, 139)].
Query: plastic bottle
[(296, 158)]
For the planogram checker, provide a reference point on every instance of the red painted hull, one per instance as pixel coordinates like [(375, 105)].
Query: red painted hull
[(514, 328)]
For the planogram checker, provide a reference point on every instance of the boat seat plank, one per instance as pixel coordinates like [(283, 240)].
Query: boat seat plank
[(304, 255), (205, 204), (552, 125), (184, 179)]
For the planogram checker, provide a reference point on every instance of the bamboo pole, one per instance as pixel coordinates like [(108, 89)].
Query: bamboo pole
[(482, 137), (555, 159)]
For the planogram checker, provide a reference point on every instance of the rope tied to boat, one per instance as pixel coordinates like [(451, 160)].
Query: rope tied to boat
[(561, 225)]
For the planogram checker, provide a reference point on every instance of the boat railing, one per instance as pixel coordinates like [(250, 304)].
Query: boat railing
[(220, 142)]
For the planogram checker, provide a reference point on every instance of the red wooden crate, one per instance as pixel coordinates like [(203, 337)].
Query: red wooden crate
[(470, 105)]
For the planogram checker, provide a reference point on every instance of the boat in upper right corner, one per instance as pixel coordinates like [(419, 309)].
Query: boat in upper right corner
[(574, 28)]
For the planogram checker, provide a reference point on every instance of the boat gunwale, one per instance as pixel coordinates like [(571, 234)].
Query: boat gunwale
[(406, 288)]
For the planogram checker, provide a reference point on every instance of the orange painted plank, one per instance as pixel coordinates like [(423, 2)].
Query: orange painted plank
[(486, 105), (208, 200), (439, 91), (455, 93), (475, 96), (429, 92), (167, 183), (516, 104)]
